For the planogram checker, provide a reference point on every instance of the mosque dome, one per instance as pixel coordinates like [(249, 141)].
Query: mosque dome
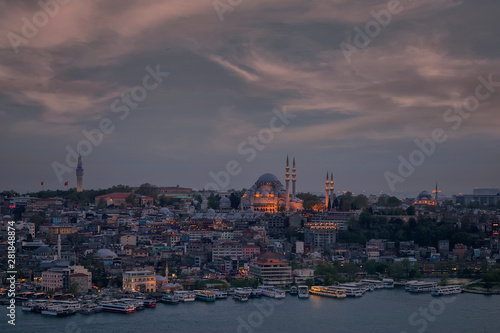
[(268, 178), (44, 251), (105, 253), (424, 195), (224, 200)]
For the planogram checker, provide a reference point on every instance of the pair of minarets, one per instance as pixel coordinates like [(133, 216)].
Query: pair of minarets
[(287, 179), (329, 191)]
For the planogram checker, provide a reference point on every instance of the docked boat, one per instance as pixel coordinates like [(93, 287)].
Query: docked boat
[(376, 284), (270, 291), (139, 304), (149, 303), (184, 296), (59, 311), (353, 289), (241, 295), (219, 294), (409, 284), (90, 309), (294, 291), (332, 292), (422, 287), (204, 295), (118, 307), (446, 290), (256, 293), (388, 283), (303, 292), (170, 299)]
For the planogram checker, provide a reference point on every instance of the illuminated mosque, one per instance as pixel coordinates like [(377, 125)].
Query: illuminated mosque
[(268, 195)]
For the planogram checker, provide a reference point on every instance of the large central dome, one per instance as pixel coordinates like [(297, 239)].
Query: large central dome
[(268, 178)]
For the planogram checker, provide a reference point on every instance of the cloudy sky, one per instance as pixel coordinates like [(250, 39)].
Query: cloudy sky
[(359, 100)]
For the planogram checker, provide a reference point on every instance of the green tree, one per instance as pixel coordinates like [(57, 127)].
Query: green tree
[(410, 210), (101, 204), (309, 201)]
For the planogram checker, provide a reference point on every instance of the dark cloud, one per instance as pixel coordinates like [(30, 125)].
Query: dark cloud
[(227, 77)]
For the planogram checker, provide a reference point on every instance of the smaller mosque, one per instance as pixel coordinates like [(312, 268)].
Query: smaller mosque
[(268, 195), (424, 200)]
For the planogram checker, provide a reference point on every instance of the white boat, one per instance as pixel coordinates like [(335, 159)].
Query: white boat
[(170, 299), (388, 283), (327, 292), (59, 311), (139, 304), (353, 289), (421, 287), (270, 291), (446, 290), (409, 284), (375, 283), (219, 294), (241, 295), (185, 296), (118, 307), (303, 292)]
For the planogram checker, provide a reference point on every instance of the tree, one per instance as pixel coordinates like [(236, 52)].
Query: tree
[(148, 189), (444, 280), (101, 204), (309, 201), (360, 202), (410, 210), (393, 202), (73, 288)]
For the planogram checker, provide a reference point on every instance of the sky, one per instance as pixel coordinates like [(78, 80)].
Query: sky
[(390, 96)]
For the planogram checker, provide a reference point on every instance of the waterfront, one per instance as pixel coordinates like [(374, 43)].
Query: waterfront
[(377, 311)]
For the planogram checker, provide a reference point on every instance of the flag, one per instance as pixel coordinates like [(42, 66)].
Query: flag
[(66, 184), (41, 184)]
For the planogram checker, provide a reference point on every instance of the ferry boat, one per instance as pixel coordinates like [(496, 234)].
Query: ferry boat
[(170, 299), (59, 311), (409, 284), (204, 295), (446, 290), (375, 283), (184, 296), (34, 305), (421, 287), (256, 293), (241, 295), (150, 303), (388, 283), (139, 304), (90, 309), (269, 291), (327, 292), (118, 307), (294, 291), (353, 289), (219, 294), (303, 292)]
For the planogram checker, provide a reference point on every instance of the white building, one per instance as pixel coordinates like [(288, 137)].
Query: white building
[(142, 281)]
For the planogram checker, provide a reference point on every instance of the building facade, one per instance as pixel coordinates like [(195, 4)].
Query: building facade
[(141, 281)]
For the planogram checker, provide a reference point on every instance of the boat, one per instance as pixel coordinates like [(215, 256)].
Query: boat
[(219, 294), (353, 289), (241, 295), (421, 287), (409, 284), (256, 293), (59, 311), (270, 291), (118, 307), (446, 290), (184, 296), (170, 299), (90, 309), (294, 291), (149, 303), (303, 292), (327, 292), (375, 283), (204, 295), (139, 304), (388, 283)]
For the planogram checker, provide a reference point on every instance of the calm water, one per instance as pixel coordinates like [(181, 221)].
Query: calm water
[(377, 311)]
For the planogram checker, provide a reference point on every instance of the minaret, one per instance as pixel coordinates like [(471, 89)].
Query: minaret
[(331, 188), (287, 178), (59, 245), (294, 179), (79, 175), (327, 192), (436, 191)]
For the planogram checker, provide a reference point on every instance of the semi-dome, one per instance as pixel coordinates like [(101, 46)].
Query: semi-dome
[(268, 178)]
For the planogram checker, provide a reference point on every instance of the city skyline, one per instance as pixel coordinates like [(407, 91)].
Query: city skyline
[(202, 81)]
